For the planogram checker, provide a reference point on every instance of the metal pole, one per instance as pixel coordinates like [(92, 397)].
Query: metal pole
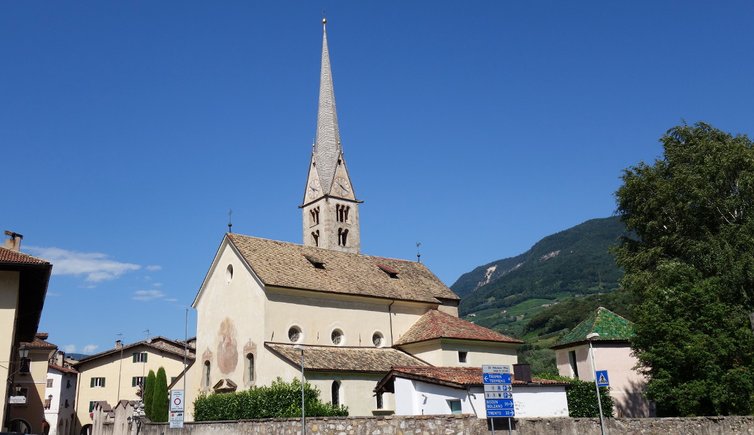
[(303, 409), (185, 351), (597, 388), (510, 426), (492, 421)]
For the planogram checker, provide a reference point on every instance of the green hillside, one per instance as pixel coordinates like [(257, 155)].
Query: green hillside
[(507, 293)]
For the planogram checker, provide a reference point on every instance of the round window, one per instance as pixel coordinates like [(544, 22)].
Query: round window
[(294, 334), (229, 273), (378, 339), (337, 337)]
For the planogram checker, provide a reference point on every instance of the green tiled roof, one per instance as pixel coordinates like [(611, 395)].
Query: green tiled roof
[(607, 324)]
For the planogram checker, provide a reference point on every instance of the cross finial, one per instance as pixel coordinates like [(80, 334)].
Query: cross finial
[(230, 220), (418, 253)]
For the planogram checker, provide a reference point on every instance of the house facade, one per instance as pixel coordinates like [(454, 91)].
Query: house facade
[(118, 373), (269, 309), (23, 287), (612, 352), (60, 398)]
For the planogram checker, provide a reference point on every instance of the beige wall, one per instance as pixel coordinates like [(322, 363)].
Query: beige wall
[(36, 383), (109, 367), (626, 384), (9, 282), (444, 353)]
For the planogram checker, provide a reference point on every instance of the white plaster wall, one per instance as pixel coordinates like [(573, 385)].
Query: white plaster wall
[(540, 401), (58, 414), (356, 390)]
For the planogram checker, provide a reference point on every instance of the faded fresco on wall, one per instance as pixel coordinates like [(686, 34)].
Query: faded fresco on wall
[(227, 353)]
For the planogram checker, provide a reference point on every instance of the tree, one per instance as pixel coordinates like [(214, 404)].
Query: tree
[(690, 264), (160, 399), (148, 393)]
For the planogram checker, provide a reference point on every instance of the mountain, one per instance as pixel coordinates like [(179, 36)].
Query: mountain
[(573, 262)]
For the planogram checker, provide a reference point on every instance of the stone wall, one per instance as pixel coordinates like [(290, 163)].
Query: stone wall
[(426, 425)]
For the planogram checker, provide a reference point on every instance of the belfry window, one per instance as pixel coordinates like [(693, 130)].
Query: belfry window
[(315, 237), (341, 212), (342, 237), (314, 216)]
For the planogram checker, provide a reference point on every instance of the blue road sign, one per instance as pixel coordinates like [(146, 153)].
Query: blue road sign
[(501, 413), (602, 379), (498, 387), (496, 378), (499, 403)]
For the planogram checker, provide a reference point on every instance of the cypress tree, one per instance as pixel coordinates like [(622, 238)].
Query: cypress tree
[(148, 394), (160, 397)]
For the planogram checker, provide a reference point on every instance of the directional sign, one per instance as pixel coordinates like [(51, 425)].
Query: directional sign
[(498, 387), (501, 413), (496, 378), (499, 404), (602, 379), (498, 395), (496, 369)]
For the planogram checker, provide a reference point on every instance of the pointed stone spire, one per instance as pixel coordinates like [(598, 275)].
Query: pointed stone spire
[(327, 145)]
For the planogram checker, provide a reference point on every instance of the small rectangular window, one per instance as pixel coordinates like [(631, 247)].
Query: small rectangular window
[(380, 404), (455, 406), (462, 356), (91, 405), (573, 364), (97, 382), (49, 383), (137, 381), (139, 357)]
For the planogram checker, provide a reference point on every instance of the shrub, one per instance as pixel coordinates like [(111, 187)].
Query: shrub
[(582, 400), (148, 394), (279, 400), (160, 398)]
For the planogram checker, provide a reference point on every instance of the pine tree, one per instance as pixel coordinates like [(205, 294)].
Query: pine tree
[(160, 397), (148, 394)]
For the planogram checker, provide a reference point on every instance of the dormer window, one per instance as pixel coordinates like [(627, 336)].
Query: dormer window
[(317, 263), (392, 273)]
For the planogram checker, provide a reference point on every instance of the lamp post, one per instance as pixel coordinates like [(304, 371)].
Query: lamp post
[(303, 409), (589, 338)]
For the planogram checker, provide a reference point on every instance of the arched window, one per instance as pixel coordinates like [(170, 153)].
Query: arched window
[(250, 367), (206, 374), (335, 390), (342, 237), (315, 237)]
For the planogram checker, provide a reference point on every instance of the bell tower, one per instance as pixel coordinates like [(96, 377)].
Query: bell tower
[(330, 208)]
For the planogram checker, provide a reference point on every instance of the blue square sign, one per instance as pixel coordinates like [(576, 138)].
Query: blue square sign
[(602, 379)]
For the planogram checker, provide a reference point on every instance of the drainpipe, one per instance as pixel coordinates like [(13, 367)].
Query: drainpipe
[(471, 402)]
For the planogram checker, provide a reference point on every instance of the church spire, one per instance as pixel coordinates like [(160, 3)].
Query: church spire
[(327, 144)]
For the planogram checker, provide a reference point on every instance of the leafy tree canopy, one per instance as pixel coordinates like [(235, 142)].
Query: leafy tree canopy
[(691, 268)]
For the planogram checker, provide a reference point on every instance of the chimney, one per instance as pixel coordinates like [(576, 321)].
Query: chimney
[(14, 242), (118, 344), (522, 372)]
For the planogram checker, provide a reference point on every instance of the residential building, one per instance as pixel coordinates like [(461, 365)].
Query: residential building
[(118, 373), (612, 352), (350, 317), (60, 396), (30, 382), (459, 390), (23, 287)]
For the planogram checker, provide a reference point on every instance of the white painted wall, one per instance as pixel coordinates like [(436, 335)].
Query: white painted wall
[(423, 398), (59, 416)]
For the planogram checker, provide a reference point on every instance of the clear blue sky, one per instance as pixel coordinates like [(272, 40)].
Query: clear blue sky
[(128, 129)]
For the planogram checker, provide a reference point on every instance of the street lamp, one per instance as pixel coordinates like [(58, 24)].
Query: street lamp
[(303, 409), (23, 352), (589, 338)]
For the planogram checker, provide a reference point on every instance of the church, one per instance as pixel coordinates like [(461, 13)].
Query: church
[(266, 308)]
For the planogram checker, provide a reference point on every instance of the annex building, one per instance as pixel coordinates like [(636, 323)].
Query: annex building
[(265, 305)]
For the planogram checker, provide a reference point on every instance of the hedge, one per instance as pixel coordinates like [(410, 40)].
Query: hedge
[(279, 400)]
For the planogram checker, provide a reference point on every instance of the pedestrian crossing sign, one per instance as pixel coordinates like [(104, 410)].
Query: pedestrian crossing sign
[(602, 379)]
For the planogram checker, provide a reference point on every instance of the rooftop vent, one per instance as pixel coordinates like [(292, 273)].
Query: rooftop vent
[(317, 263), (392, 273)]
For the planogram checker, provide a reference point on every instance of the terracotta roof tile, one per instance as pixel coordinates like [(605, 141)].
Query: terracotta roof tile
[(9, 256), (39, 343), (345, 359), (457, 377), (437, 324), (174, 347), (285, 264), (62, 369)]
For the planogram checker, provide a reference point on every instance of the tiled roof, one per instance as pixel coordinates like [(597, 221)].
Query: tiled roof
[(158, 343), (9, 256), (285, 264), (456, 377), (610, 327), (345, 359), (62, 369), (39, 343), (436, 324)]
